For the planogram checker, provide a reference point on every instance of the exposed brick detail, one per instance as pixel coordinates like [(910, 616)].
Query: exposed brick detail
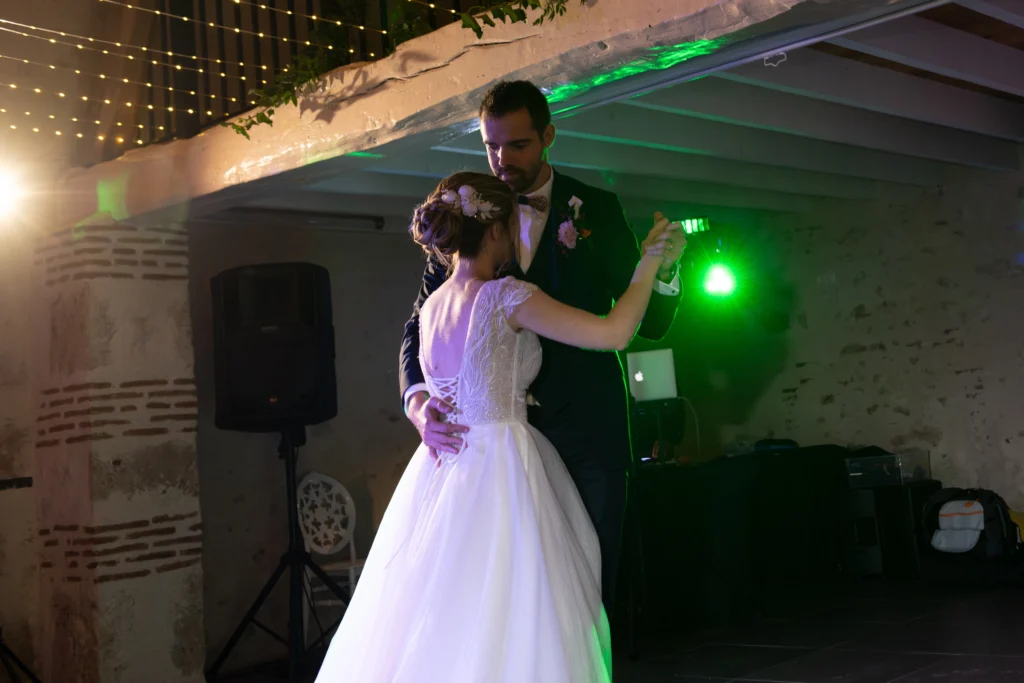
[(102, 423), (155, 276), (174, 418), (185, 540), (190, 551), (117, 396), (158, 405), (177, 565), (166, 252), (151, 431), (95, 540), (147, 557), (185, 381), (102, 563), (163, 519), (172, 392), (88, 437), (50, 416), (160, 531), (65, 527), (138, 240), (102, 263), (72, 579), (61, 402), (90, 386), (131, 547), (52, 542), (100, 276), (105, 228), (123, 576), (144, 383), (98, 410), (140, 524), (47, 444)]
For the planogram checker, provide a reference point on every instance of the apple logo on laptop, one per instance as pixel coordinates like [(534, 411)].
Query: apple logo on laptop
[(639, 376)]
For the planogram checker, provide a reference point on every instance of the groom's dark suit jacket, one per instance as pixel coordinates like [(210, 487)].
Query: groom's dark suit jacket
[(580, 392)]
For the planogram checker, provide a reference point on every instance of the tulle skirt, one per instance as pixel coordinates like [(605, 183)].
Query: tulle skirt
[(484, 570)]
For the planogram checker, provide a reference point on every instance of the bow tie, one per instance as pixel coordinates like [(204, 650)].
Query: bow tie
[(538, 204)]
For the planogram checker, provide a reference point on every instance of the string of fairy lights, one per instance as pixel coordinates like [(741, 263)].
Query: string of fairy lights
[(213, 24), (311, 17), (141, 48), (155, 62), (434, 6), (50, 122)]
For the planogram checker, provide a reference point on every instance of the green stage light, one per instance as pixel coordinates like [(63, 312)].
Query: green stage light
[(719, 281)]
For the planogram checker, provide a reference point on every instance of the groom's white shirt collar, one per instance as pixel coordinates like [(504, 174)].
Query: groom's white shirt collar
[(545, 189), (532, 222)]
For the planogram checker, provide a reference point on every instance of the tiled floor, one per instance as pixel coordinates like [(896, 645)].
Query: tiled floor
[(874, 633)]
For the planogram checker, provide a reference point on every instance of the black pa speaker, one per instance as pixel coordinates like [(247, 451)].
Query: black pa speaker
[(273, 344)]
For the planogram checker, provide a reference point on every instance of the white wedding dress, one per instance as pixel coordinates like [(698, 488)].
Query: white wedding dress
[(485, 569)]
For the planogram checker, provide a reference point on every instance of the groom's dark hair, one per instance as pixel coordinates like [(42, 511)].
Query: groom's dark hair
[(510, 96)]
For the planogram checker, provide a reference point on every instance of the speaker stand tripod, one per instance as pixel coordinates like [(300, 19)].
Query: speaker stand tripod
[(10, 663), (297, 560)]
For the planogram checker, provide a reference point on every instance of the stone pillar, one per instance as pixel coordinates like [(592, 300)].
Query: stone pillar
[(116, 482), (19, 564)]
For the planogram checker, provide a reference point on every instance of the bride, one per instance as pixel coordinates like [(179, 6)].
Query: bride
[(486, 568)]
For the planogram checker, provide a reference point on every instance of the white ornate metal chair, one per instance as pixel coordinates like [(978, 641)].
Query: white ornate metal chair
[(327, 518)]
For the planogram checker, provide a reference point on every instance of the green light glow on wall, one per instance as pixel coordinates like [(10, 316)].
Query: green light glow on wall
[(656, 59)]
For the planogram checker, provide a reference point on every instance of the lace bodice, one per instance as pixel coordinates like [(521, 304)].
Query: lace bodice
[(498, 363)]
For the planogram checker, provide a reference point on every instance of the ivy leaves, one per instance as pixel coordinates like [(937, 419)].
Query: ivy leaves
[(303, 76), (511, 12)]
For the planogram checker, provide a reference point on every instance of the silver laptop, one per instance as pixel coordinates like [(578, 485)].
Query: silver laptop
[(652, 375)]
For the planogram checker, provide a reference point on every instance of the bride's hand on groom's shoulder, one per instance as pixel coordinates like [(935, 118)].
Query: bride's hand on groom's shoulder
[(427, 414)]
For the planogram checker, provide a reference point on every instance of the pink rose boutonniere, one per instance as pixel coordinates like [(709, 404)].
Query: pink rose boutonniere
[(570, 235)]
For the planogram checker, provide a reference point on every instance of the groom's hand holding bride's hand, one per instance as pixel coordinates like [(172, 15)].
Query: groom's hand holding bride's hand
[(425, 413), (670, 241)]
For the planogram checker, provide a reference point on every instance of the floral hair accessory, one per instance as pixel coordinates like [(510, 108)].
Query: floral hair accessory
[(469, 202)]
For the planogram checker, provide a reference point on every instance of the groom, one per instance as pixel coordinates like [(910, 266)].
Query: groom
[(579, 396)]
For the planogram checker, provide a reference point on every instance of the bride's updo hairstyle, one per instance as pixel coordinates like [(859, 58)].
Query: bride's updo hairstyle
[(454, 219)]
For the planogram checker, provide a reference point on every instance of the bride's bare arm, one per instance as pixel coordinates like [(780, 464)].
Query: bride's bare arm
[(552, 319)]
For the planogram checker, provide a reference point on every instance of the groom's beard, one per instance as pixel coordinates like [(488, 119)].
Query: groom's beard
[(516, 178)]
